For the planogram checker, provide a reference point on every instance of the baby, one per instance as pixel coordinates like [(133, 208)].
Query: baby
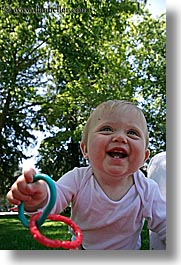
[(110, 198)]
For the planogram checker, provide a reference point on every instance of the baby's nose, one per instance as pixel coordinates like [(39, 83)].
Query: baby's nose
[(119, 137)]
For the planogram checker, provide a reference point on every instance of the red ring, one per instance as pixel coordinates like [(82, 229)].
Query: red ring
[(51, 242)]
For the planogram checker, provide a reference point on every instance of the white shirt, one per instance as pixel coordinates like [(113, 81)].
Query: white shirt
[(108, 224), (157, 172)]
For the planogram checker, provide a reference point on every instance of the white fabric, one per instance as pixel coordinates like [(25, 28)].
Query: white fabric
[(157, 172)]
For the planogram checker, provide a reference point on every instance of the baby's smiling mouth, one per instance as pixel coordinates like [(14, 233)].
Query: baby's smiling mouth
[(117, 154)]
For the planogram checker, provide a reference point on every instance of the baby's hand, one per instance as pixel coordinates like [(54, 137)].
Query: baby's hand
[(34, 194)]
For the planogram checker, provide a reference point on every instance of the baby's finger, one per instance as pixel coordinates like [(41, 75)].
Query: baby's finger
[(16, 197), (21, 186), (29, 174)]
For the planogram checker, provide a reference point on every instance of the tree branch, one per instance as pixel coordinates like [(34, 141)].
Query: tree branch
[(32, 51)]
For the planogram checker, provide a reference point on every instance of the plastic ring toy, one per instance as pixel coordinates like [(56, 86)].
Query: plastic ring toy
[(38, 219), (49, 207), (56, 243)]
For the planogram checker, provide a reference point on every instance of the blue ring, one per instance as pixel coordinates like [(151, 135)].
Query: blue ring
[(49, 207)]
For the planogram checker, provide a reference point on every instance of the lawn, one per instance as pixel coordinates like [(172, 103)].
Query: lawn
[(14, 236)]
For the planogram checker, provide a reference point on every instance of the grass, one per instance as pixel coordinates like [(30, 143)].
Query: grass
[(14, 236), (145, 241)]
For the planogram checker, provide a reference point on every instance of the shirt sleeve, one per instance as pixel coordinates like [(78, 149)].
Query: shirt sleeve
[(67, 188)]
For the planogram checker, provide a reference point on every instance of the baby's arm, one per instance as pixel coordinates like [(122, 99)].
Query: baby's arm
[(34, 194)]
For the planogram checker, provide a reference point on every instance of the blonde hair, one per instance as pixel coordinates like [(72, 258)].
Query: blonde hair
[(111, 105)]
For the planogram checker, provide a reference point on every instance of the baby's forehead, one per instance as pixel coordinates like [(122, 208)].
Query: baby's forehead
[(130, 116), (119, 111)]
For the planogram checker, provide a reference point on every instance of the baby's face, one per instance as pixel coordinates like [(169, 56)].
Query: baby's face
[(116, 143)]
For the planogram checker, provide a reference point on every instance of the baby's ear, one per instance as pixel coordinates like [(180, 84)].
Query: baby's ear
[(83, 148), (147, 154)]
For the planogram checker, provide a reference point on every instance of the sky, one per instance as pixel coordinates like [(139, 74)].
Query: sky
[(156, 7)]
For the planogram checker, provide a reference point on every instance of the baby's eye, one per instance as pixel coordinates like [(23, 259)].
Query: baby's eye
[(106, 129), (132, 132)]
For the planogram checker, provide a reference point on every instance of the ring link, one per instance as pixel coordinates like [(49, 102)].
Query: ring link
[(52, 242), (38, 219), (49, 207)]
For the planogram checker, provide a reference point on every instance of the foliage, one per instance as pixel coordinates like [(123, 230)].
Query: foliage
[(147, 55), (57, 66), (21, 60)]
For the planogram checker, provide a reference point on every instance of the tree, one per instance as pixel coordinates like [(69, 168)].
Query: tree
[(57, 66), (147, 55), (88, 64), (22, 59), (96, 59)]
